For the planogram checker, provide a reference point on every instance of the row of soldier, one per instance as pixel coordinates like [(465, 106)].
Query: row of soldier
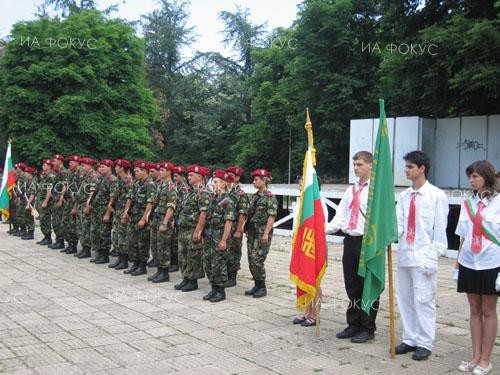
[(145, 210)]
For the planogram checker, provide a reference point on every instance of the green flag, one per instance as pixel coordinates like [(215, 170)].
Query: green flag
[(381, 224)]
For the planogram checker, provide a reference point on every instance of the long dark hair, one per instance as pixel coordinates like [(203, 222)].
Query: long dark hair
[(487, 171)]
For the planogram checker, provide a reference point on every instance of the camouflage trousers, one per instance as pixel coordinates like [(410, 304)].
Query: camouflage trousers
[(163, 242), (174, 253), (25, 217), (45, 218), (257, 253), (190, 255), (214, 260), (100, 232), (234, 255), (14, 215), (138, 240), (154, 227), (119, 233), (70, 233), (57, 220), (83, 225)]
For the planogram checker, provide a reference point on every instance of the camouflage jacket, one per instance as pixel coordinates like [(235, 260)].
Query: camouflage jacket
[(194, 202), (166, 197), (142, 193), (222, 208), (262, 206), (104, 189), (44, 184)]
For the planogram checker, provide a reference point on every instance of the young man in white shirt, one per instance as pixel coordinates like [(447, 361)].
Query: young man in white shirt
[(422, 213), (350, 219)]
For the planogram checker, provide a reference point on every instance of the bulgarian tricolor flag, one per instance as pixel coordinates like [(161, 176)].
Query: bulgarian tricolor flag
[(308, 263), (8, 182)]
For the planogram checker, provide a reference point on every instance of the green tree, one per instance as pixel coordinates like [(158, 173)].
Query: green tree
[(75, 86)]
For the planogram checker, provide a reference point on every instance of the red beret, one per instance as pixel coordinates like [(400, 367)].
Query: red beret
[(58, 157), (22, 166), (47, 161), (167, 165), (223, 175), (106, 162), (88, 161), (141, 164), (30, 170), (155, 165), (198, 169), (179, 169), (123, 163), (261, 173), (238, 171), (73, 158)]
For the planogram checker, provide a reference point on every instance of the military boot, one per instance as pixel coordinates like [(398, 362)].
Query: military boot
[(190, 285), (174, 264), (261, 291), (66, 249), (150, 278), (141, 270), (21, 232), (134, 267), (219, 295), (231, 280), (162, 277), (72, 249), (29, 235), (210, 294), (117, 261), (113, 253), (14, 230), (85, 253), (181, 284), (46, 241), (43, 239), (103, 257), (123, 263), (59, 244), (250, 292)]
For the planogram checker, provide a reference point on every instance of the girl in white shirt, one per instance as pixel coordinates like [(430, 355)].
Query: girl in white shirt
[(479, 262)]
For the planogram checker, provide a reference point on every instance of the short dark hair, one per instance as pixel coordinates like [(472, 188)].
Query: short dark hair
[(419, 158), (487, 171), (363, 155)]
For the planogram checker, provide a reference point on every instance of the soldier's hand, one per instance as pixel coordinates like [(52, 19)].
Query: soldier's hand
[(141, 224), (44, 205), (59, 204), (110, 208), (124, 219), (86, 210), (196, 236), (222, 245), (163, 227), (264, 240), (237, 234), (73, 212), (27, 207), (106, 218)]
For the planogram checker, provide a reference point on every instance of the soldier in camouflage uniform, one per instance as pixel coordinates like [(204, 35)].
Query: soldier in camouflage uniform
[(101, 195), (220, 218), (163, 223), (191, 223), (69, 193), (154, 173), (181, 186), (242, 204), (81, 208), (13, 219), (58, 201), (26, 189), (138, 208), (43, 204), (18, 215), (261, 216), (116, 207)]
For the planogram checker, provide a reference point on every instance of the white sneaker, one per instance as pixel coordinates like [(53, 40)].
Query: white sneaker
[(466, 367), (478, 370)]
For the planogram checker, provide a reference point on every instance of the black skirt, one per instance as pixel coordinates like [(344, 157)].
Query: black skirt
[(477, 282)]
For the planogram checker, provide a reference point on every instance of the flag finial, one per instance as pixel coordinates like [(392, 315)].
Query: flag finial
[(310, 138)]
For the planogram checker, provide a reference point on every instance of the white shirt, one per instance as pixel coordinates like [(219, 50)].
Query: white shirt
[(431, 217), (489, 256), (343, 212)]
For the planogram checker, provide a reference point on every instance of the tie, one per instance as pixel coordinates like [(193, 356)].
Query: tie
[(477, 232), (410, 234), (355, 204)]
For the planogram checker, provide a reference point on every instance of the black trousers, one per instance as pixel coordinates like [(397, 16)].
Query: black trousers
[(355, 316)]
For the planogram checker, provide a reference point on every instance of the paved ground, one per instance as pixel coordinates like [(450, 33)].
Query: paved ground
[(61, 315)]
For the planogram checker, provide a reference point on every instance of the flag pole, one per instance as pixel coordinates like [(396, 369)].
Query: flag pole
[(391, 302)]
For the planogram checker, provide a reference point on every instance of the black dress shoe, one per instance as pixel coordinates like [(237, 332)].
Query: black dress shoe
[(362, 337), (348, 332), (421, 354), (404, 348)]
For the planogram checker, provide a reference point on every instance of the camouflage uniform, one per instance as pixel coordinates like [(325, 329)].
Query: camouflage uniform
[(191, 253), (28, 219), (154, 226), (182, 190), (234, 252), (69, 221), (141, 194), (19, 214), (83, 221), (119, 229), (262, 206), (57, 213), (215, 261), (103, 189), (45, 183), (166, 198)]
